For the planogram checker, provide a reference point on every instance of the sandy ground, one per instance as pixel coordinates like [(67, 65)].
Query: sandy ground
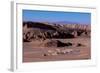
[(34, 51)]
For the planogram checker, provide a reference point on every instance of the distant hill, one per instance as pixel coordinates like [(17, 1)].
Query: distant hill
[(38, 25), (57, 26), (68, 22), (65, 22)]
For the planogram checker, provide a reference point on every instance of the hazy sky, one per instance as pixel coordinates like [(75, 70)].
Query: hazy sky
[(54, 16)]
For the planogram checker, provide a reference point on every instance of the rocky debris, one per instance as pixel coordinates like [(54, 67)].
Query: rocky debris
[(79, 44), (57, 52), (51, 43), (50, 52), (56, 43)]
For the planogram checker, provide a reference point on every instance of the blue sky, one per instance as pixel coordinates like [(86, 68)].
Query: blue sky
[(55, 16)]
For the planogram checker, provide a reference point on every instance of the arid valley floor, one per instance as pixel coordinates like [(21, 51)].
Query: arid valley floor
[(37, 47)]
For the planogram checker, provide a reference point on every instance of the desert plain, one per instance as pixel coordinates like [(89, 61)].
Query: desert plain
[(43, 41)]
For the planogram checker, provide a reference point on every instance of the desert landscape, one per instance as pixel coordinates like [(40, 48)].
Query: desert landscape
[(45, 41)]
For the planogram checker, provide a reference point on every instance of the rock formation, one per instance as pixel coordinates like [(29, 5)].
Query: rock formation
[(41, 31)]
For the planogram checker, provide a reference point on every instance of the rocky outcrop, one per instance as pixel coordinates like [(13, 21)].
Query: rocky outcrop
[(56, 43), (77, 27), (41, 31)]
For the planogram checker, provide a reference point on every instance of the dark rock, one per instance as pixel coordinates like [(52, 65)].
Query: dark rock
[(44, 55), (79, 44), (57, 43)]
